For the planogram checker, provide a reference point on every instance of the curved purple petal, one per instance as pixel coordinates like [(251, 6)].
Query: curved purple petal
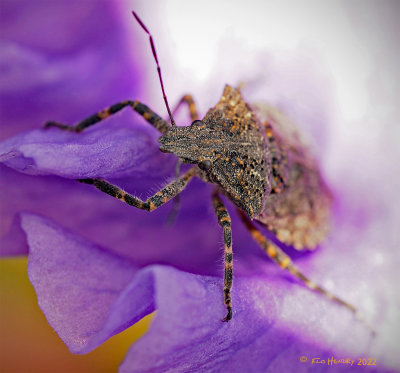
[(86, 292), (110, 150), (89, 294), (276, 321)]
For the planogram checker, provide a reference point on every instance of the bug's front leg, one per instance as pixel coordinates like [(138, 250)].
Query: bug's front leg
[(188, 100), (157, 200), (224, 221), (154, 119)]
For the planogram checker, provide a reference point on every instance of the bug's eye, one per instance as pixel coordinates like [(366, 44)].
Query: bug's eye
[(197, 123), (205, 165)]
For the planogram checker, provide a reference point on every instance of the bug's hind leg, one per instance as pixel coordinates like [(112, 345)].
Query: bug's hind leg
[(224, 221), (154, 119), (284, 261)]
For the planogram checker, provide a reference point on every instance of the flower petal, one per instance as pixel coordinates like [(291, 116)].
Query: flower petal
[(110, 150), (86, 293), (275, 320), (275, 323), (187, 333)]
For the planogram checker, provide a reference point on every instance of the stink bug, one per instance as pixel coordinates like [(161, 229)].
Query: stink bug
[(253, 156)]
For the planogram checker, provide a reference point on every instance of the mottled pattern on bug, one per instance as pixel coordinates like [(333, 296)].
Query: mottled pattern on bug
[(255, 157), (230, 148), (245, 157), (298, 209)]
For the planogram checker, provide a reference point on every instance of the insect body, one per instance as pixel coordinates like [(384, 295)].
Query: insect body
[(269, 174), (230, 148), (254, 157)]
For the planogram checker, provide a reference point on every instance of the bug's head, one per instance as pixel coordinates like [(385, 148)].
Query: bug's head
[(197, 143)]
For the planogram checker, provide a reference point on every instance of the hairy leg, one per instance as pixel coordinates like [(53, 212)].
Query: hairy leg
[(154, 119), (150, 204), (224, 221), (188, 100), (284, 261)]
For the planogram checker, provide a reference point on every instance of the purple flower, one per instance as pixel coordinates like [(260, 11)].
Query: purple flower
[(98, 266)]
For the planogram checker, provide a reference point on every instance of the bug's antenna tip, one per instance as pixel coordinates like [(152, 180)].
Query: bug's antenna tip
[(153, 49)]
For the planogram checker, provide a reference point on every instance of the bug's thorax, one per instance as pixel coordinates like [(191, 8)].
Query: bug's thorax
[(229, 147)]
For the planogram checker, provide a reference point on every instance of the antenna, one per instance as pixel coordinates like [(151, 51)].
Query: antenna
[(153, 48)]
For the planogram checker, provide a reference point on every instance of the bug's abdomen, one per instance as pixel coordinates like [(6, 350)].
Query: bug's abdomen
[(299, 206), (299, 215)]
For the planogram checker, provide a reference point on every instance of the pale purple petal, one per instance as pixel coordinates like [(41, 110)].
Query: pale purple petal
[(111, 150), (86, 293), (276, 320)]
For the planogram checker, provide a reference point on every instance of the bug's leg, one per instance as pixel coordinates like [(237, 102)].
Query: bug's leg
[(284, 261), (154, 119), (188, 100), (157, 200), (224, 221)]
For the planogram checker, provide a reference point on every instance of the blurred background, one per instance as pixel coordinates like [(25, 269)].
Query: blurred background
[(339, 57)]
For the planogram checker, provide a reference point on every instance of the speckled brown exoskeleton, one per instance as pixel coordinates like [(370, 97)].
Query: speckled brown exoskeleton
[(255, 157)]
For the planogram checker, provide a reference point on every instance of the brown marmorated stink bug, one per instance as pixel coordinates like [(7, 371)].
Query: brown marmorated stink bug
[(255, 157)]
